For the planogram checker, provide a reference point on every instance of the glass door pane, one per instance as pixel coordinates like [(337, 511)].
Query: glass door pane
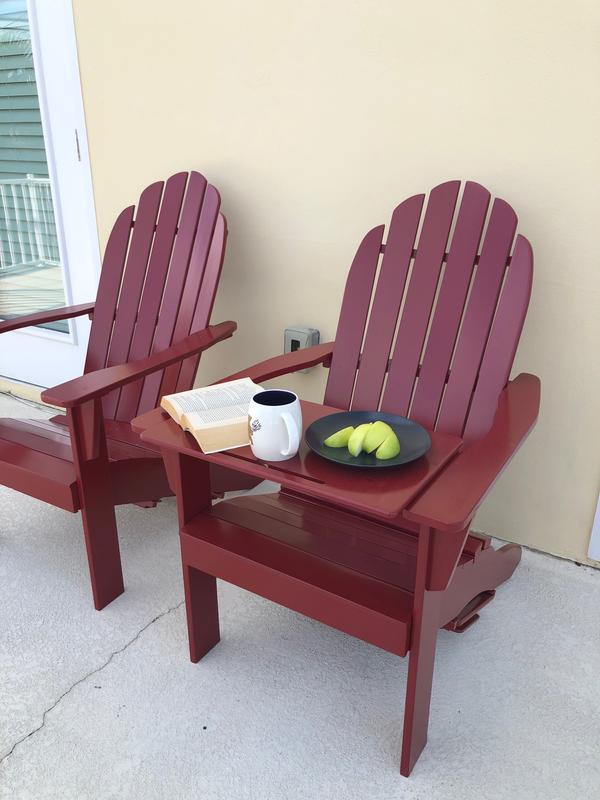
[(31, 275)]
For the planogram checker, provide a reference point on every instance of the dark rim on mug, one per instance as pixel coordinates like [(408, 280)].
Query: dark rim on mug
[(275, 397)]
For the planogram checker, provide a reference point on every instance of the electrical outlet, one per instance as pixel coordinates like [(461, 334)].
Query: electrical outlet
[(299, 337)]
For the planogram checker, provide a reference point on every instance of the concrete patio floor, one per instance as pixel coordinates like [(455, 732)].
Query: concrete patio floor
[(107, 705)]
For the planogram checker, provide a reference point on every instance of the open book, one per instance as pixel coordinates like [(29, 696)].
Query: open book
[(216, 416)]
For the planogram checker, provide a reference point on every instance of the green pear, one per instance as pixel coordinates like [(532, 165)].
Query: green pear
[(339, 438), (376, 435), (389, 448), (355, 443)]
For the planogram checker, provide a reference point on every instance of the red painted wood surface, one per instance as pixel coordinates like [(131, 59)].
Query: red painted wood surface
[(324, 548), (478, 316), (180, 262), (98, 383), (420, 297), (453, 499), (414, 330), (353, 317), (473, 325), (195, 277), (450, 304), (386, 304), (246, 556), (94, 487), (502, 342), (213, 261), (152, 283), (134, 276), (156, 291), (431, 331), (285, 364), (152, 294), (43, 317), (109, 285), (378, 493), (426, 620)]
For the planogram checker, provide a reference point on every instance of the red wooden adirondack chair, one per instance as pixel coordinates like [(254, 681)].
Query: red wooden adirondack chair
[(426, 330), (149, 326)]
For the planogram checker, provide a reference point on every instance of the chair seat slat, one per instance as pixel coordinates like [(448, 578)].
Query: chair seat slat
[(53, 439)]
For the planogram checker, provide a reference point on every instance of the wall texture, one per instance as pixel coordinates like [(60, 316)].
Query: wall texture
[(316, 118)]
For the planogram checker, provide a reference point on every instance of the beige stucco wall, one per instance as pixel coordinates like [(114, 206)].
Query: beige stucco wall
[(316, 118)]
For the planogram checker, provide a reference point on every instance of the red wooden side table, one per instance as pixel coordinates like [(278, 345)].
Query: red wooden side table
[(350, 548)]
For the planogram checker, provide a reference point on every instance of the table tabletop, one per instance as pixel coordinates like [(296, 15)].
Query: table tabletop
[(381, 493)]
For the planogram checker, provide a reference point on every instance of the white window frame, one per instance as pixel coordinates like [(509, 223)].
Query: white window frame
[(38, 355)]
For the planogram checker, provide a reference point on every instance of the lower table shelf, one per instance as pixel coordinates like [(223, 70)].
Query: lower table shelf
[(352, 574)]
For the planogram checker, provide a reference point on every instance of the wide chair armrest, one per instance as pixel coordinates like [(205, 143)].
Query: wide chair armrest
[(451, 501), (96, 384), (43, 317), (286, 363)]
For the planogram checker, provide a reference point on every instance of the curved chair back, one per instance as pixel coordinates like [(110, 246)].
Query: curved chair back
[(430, 320), (159, 277)]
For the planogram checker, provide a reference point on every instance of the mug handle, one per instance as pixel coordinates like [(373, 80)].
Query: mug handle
[(293, 434)]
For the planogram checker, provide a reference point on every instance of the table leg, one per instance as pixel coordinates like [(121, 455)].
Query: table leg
[(425, 624), (189, 478), (202, 610)]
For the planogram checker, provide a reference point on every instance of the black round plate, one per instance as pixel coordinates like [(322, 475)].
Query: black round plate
[(414, 439)]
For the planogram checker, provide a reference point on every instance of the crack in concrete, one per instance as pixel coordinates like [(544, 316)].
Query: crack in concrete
[(84, 678)]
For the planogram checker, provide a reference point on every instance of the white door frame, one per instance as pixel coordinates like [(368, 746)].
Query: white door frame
[(594, 549), (38, 355)]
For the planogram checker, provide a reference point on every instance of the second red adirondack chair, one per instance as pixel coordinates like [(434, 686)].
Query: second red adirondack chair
[(428, 329), (159, 277)]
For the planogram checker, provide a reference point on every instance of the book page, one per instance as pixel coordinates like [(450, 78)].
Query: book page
[(222, 436), (234, 395), (196, 420), (216, 416)]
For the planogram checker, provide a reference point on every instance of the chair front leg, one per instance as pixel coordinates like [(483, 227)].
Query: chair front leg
[(425, 625), (437, 557), (94, 485)]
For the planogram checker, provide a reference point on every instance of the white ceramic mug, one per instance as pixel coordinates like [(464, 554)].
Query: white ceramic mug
[(275, 423)]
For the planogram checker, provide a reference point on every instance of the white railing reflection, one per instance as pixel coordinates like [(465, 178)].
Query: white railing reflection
[(27, 223)]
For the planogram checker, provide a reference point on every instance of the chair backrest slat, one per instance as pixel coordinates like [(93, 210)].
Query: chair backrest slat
[(180, 263), (478, 317), (503, 340), (195, 276), (206, 299), (108, 291), (353, 317), (455, 338), (420, 297), (158, 266), (450, 304), (386, 303), (153, 282), (132, 284)]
